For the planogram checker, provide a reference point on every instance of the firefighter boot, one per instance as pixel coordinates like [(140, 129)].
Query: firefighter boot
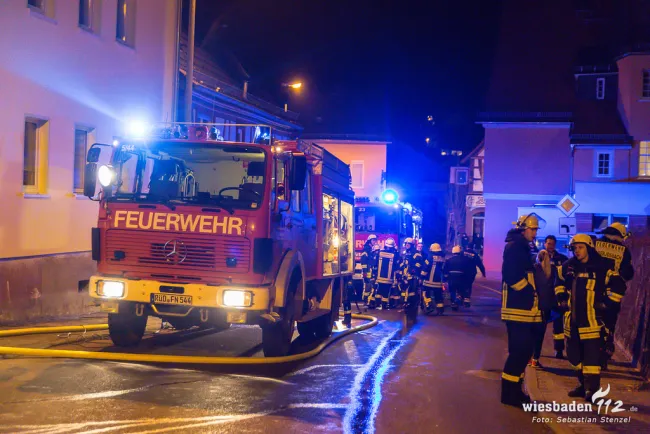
[(591, 385), (525, 398), (440, 308), (511, 393), (578, 392), (467, 302)]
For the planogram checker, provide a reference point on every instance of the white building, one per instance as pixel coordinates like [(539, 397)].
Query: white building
[(72, 73)]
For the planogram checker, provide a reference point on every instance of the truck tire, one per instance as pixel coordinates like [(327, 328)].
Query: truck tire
[(276, 338), (322, 326), (126, 329)]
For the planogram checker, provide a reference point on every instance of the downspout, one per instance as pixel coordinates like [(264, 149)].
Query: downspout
[(571, 166), (179, 17)]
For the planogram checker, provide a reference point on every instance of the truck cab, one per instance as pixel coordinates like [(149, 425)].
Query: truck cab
[(205, 232)]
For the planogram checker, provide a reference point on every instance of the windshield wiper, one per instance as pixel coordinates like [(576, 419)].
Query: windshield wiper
[(220, 204)]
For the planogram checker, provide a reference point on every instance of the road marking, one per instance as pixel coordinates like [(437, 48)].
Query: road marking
[(379, 376), (253, 377)]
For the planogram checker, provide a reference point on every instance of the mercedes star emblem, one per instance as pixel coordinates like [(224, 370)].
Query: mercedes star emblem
[(175, 251)]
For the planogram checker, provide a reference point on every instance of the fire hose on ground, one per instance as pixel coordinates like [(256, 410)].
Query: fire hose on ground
[(152, 358)]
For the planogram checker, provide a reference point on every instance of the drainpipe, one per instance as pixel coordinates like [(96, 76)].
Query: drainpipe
[(571, 164), (177, 42), (245, 93), (189, 77)]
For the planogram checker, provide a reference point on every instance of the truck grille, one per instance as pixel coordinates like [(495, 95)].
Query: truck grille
[(147, 249)]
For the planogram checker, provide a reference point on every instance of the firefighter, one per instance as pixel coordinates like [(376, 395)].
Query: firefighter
[(619, 260), (585, 275), (432, 276), (476, 262), (458, 274), (387, 267), (556, 259), (410, 270), (519, 307), (367, 265), (420, 248)]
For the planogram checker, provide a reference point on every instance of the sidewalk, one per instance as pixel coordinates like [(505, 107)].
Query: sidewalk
[(551, 384)]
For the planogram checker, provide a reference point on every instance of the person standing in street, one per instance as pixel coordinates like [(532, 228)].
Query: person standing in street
[(432, 277), (475, 260), (519, 307), (545, 285), (458, 271), (367, 264), (621, 271), (585, 275), (411, 268), (387, 268), (556, 315)]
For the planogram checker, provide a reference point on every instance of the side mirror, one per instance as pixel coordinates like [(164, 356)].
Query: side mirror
[(298, 173), (90, 179)]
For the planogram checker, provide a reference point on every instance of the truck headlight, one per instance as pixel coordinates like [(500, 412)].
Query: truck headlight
[(234, 298), (111, 289)]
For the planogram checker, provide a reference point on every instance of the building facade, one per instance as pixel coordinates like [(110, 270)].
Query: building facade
[(72, 73)]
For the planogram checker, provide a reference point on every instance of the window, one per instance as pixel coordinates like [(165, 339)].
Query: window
[(601, 221), (305, 195), (646, 83), (82, 136), (295, 201), (644, 159), (89, 15), (126, 22), (600, 88), (35, 156), (356, 170), (604, 164), (42, 7)]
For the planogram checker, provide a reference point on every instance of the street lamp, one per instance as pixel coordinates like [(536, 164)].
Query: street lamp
[(296, 87)]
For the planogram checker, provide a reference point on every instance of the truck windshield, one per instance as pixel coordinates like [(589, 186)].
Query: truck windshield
[(195, 173), (376, 219)]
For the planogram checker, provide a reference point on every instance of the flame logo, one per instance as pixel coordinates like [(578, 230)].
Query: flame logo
[(600, 394)]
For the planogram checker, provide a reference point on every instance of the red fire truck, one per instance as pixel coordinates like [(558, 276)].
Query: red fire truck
[(204, 232), (386, 219)]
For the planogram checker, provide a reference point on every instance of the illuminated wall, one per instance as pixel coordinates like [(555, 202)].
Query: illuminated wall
[(368, 159), (70, 77)]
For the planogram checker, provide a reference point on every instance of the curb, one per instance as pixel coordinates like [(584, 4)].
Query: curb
[(530, 380)]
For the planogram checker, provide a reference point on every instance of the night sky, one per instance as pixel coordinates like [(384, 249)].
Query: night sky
[(369, 67)]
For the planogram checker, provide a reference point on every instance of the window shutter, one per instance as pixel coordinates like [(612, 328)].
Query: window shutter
[(584, 222)]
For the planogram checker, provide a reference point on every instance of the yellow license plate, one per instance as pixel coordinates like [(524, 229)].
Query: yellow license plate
[(236, 317), (184, 300)]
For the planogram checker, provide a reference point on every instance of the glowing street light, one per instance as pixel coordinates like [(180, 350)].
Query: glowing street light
[(295, 85), (427, 140)]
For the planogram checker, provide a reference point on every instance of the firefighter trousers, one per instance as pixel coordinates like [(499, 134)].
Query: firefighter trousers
[(521, 338), (383, 294), (584, 355), (456, 290), (610, 317), (558, 333), (433, 295)]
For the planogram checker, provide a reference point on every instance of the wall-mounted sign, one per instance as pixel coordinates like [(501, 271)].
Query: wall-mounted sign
[(567, 226), (568, 205), (474, 201)]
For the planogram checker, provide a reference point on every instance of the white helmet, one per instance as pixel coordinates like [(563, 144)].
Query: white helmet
[(371, 237), (409, 240), (456, 249), (435, 247), (389, 243)]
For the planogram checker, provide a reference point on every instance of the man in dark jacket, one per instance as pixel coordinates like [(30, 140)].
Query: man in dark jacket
[(585, 274), (557, 259), (621, 271), (475, 260), (458, 271), (519, 307)]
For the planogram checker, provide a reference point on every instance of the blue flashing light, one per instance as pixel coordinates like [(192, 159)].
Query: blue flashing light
[(389, 197)]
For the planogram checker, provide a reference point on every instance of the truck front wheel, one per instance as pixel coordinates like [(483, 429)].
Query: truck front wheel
[(276, 338), (126, 329)]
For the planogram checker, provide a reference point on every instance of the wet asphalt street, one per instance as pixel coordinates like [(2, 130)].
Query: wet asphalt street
[(443, 375)]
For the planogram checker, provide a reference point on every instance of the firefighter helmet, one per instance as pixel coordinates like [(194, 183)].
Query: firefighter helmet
[(530, 221), (409, 240), (389, 242), (371, 237), (456, 249), (616, 228), (582, 239), (435, 247)]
